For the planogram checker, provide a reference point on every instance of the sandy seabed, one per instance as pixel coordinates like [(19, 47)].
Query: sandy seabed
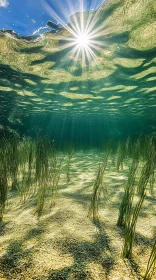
[(64, 243)]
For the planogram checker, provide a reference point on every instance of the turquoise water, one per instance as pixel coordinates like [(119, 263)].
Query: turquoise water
[(48, 87), (82, 205)]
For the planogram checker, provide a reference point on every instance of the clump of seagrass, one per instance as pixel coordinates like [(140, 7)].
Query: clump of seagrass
[(42, 148), (97, 188), (54, 176), (131, 218), (148, 169), (26, 160), (151, 264), (151, 150), (14, 162), (121, 156), (4, 171), (3, 189), (152, 180), (126, 204), (130, 228), (70, 155), (153, 167), (3, 192)]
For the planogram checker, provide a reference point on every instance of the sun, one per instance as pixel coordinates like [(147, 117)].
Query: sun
[(85, 35), (82, 40)]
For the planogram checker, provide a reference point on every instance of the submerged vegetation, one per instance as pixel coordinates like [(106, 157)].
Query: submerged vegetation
[(32, 169), (126, 204), (129, 215), (82, 206), (98, 187), (151, 263), (69, 157), (3, 180)]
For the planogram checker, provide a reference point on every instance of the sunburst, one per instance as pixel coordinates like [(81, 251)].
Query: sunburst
[(84, 40)]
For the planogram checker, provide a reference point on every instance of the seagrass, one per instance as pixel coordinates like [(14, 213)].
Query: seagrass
[(126, 203), (148, 169), (14, 163), (132, 218), (151, 265), (69, 157), (26, 150), (4, 161), (3, 190), (130, 229), (42, 171), (127, 199), (97, 188), (121, 156), (54, 176)]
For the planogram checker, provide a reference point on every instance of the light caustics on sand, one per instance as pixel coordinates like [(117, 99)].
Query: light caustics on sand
[(83, 33)]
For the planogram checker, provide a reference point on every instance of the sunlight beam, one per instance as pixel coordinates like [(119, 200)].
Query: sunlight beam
[(84, 31)]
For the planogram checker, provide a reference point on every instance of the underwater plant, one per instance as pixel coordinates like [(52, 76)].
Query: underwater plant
[(30, 162), (41, 172), (40, 198), (14, 163), (113, 161), (127, 199), (152, 181), (132, 218), (3, 190), (26, 166), (128, 147), (70, 155), (97, 188), (126, 203), (41, 159), (130, 228), (121, 156), (151, 263), (54, 176), (3, 176), (148, 170)]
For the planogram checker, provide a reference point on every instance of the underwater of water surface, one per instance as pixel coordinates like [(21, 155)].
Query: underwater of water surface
[(45, 87)]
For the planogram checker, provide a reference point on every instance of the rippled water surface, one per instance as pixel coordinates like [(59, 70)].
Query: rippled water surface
[(46, 84)]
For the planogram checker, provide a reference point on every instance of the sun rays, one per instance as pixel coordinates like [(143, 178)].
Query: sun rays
[(84, 35)]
